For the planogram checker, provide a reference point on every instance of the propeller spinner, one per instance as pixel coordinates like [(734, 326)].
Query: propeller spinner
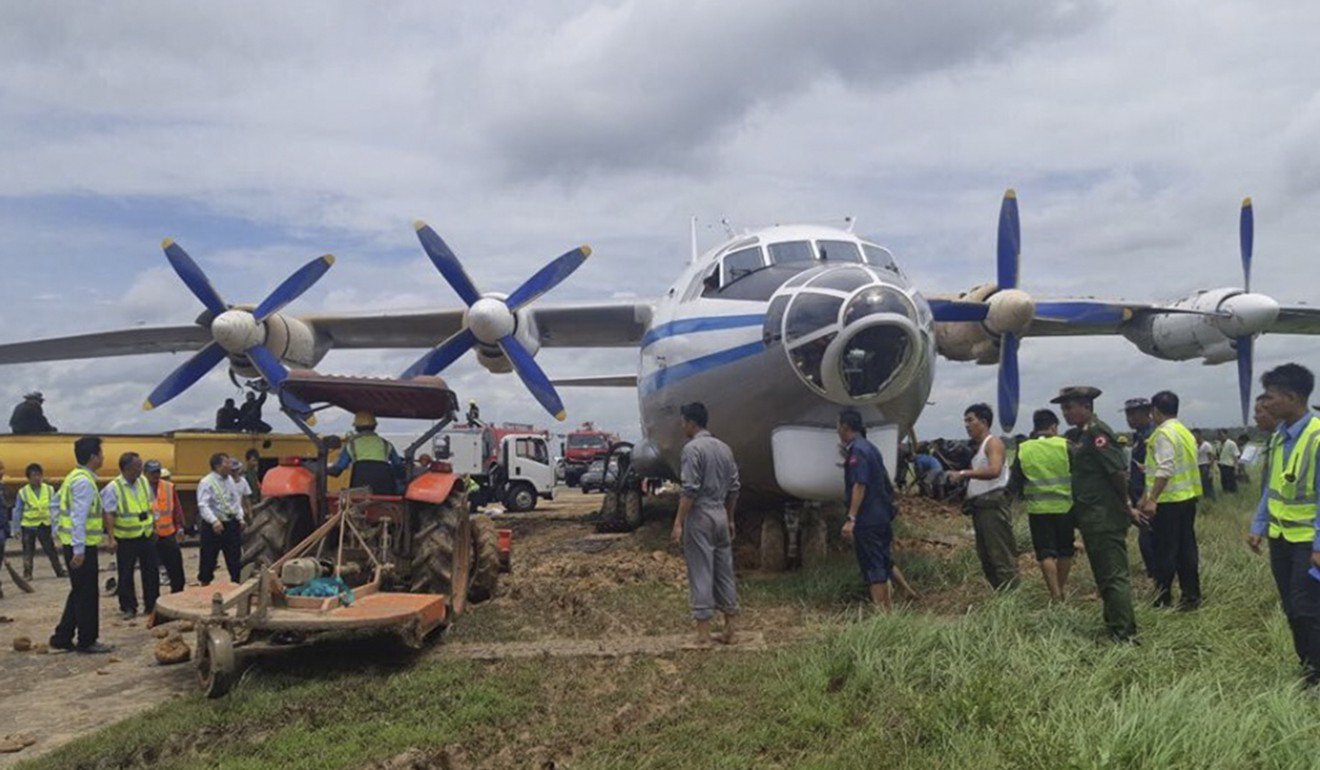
[(234, 331), (491, 319)]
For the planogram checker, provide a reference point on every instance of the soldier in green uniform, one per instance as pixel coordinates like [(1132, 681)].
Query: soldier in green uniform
[(1100, 505)]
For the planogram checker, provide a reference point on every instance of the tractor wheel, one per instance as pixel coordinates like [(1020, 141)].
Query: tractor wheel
[(278, 524), (441, 560), (485, 559), (217, 668), (520, 498), (632, 508)]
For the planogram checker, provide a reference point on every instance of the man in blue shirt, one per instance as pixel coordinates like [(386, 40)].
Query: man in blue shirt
[(1290, 487), (870, 500)]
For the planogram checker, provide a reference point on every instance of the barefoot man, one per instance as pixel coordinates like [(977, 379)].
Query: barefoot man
[(704, 524)]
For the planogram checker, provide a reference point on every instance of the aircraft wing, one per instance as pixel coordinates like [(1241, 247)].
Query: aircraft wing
[(1297, 319), (1080, 317), (596, 325), (125, 342)]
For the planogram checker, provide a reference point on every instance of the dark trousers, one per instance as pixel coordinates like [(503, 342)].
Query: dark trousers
[(33, 535), (171, 558), (229, 541), (1300, 596), (1207, 482), (82, 609), (137, 552), (1176, 553), (1228, 479), (1106, 550), (1146, 544)]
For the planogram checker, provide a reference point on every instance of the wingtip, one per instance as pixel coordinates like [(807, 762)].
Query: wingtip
[(418, 224), (1010, 194), (168, 242), (1246, 202), (562, 415), (586, 250)]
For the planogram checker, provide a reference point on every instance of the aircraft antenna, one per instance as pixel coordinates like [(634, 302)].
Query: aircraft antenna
[(851, 221), (728, 228), (693, 231)]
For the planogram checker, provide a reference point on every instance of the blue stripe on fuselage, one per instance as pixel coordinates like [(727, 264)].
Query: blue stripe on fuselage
[(704, 324), (671, 374)]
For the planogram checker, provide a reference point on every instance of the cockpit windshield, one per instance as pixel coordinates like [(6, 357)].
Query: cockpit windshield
[(791, 253), (839, 251)]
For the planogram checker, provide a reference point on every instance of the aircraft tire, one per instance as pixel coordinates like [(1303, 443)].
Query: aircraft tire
[(774, 545)]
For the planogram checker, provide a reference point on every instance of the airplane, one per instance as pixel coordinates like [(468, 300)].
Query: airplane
[(775, 330)]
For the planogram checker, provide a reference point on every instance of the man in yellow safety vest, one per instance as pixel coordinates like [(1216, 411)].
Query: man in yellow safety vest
[(375, 463), (1173, 485), (1042, 473), (1290, 487), (35, 506), (81, 529), (127, 501)]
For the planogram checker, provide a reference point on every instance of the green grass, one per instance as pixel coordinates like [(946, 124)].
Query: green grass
[(1009, 683)]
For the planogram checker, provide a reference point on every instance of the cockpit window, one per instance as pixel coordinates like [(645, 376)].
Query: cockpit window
[(791, 252), (740, 263), (877, 299), (879, 257), (839, 251), (842, 279)]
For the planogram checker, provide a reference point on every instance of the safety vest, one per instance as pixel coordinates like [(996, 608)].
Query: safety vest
[(1048, 472), (1185, 483), (95, 530), (220, 493), (163, 507), (368, 447), (132, 508), (1291, 496), (36, 505)]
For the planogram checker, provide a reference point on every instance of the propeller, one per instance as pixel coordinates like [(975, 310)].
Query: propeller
[(491, 319), (1007, 259), (235, 331), (1244, 345)]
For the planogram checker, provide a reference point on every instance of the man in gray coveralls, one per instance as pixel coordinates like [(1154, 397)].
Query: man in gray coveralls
[(704, 524)]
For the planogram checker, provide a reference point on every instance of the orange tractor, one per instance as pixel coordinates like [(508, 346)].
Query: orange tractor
[(316, 563)]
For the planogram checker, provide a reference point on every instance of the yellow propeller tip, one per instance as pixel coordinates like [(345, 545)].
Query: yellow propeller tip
[(329, 258), (418, 224), (586, 250), (168, 242), (1010, 193), (562, 415), (1246, 202), (147, 406)]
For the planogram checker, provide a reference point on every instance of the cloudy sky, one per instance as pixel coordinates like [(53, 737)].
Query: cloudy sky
[(260, 135)]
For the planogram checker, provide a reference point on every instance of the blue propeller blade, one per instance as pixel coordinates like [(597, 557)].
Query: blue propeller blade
[(1010, 241), (193, 277), (949, 310), (447, 263), (268, 364), (1244, 347), (442, 355), (293, 286), (1246, 234), (533, 377), (183, 378), (548, 277), (1009, 386)]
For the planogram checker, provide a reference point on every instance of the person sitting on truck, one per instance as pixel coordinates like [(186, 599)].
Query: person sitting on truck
[(29, 417), (375, 463), (226, 417)]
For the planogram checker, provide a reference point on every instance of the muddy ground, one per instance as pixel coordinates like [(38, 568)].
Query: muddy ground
[(572, 592)]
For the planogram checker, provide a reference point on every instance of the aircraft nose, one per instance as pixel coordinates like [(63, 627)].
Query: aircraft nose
[(1247, 314)]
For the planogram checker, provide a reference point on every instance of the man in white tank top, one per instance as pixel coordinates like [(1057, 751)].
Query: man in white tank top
[(987, 499)]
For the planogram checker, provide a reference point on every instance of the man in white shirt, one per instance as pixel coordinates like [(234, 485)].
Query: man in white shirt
[(239, 487), (1205, 460), (222, 521), (1229, 454)]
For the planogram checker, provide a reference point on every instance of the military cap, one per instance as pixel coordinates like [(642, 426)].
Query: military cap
[(1132, 404), (34, 396), (1076, 393)]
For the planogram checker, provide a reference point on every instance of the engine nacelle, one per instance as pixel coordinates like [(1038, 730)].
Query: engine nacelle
[(1228, 313), (525, 331), (291, 340)]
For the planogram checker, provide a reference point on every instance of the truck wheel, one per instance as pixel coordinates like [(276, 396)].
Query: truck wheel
[(632, 508), (278, 524), (441, 560), (521, 497), (485, 559)]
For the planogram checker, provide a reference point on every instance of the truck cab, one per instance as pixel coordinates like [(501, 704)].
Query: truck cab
[(512, 468)]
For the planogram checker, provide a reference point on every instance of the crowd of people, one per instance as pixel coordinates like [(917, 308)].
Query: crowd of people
[(1089, 480), (138, 516)]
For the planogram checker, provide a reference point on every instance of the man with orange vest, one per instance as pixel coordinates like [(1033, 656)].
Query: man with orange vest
[(168, 515)]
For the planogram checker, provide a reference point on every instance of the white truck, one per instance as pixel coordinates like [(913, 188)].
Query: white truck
[(510, 467)]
